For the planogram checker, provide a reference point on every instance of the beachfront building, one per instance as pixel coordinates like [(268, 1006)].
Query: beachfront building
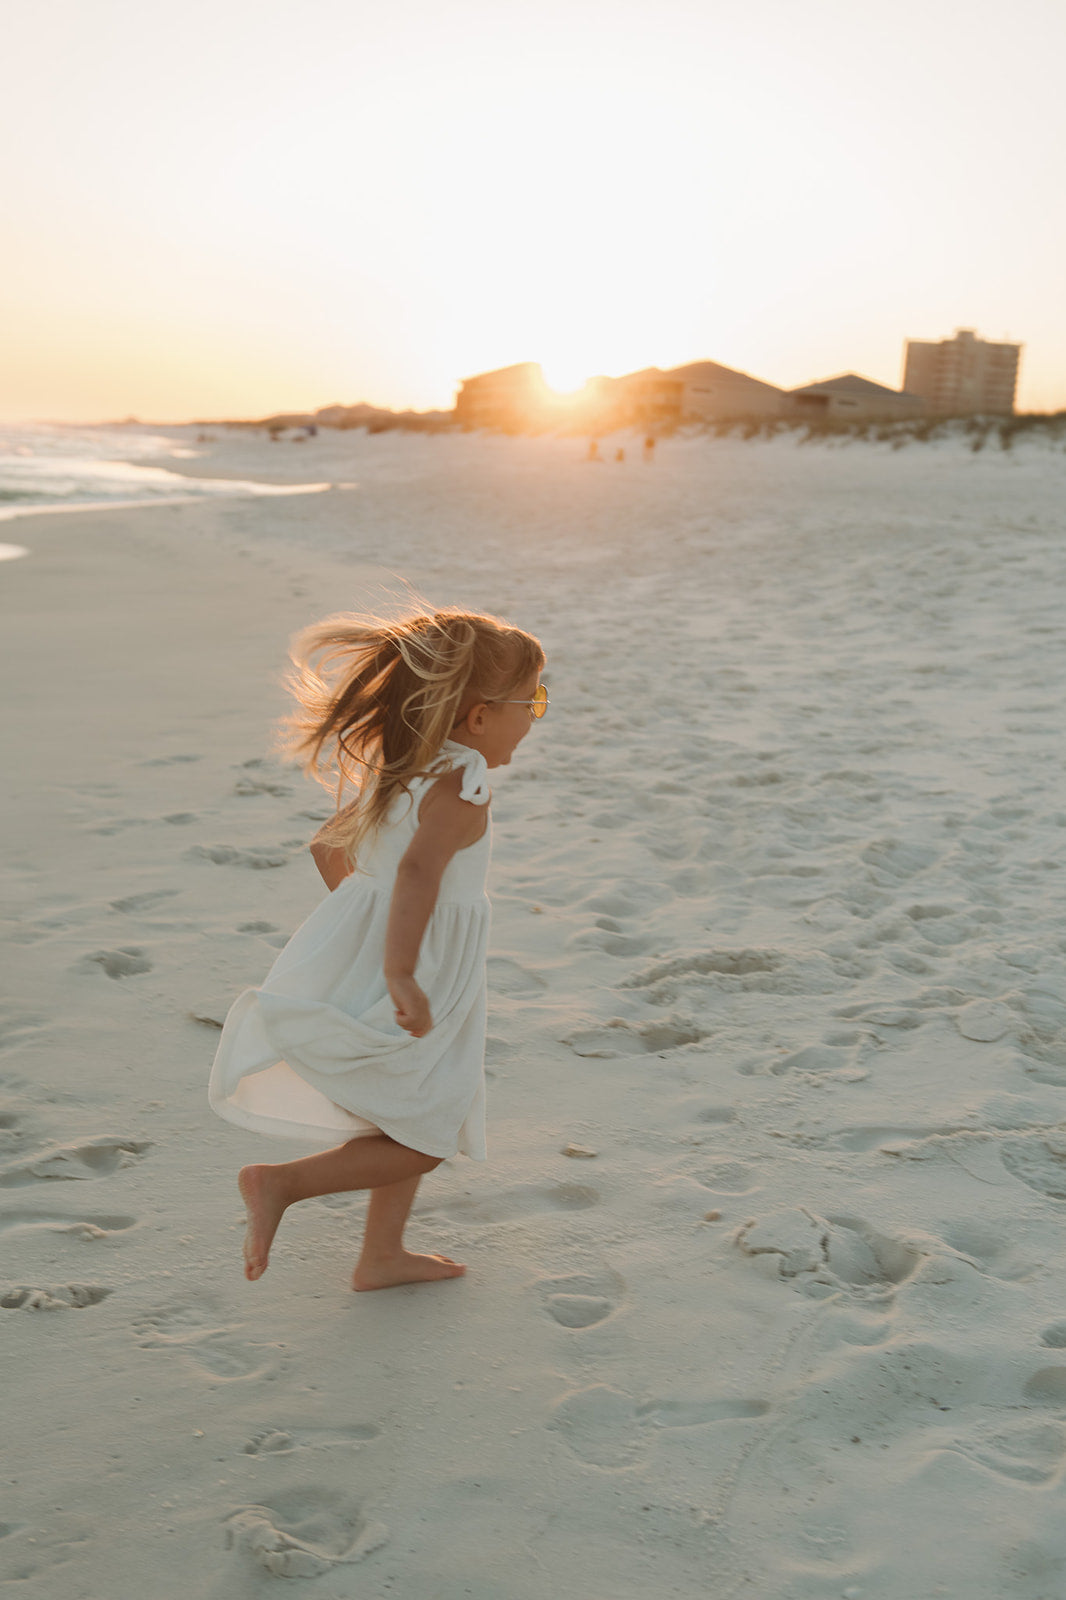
[(649, 399), (509, 400), (711, 391), (963, 375), (850, 398)]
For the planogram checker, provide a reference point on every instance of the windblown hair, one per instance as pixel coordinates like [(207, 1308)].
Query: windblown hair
[(376, 699)]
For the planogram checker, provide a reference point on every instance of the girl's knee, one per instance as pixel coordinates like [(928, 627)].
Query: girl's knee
[(420, 1161)]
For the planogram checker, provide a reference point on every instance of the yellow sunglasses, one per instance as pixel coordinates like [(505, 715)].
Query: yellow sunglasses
[(538, 705)]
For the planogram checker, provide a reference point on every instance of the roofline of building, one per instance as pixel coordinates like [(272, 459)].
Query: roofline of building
[(498, 372), (869, 386), (732, 372)]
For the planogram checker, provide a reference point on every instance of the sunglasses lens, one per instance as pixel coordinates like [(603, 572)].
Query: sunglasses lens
[(540, 701)]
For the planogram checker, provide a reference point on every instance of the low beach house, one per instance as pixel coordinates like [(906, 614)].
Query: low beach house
[(509, 400), (711, 391), (701, 391), (850, 398), (649, 398)]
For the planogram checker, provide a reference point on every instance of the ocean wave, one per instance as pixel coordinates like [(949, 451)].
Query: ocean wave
[(67, 469)]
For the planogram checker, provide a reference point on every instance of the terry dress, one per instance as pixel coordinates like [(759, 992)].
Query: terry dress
[(316, 1052)]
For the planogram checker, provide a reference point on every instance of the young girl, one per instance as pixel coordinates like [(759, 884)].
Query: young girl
[(370, 1026)]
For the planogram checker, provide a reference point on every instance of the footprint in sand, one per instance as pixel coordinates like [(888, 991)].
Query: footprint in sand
[(726, 1177), (1038, 1162), (57, 1297), (1043, 1065), (124, 963), (90, 1158), (704, 963), (608, 1429), (893, 861), (816, 1060), (1047, 1388), (38, 1549), (17, 1027), (257, 927), (627, 898), (95, 1227), (879, 1016), (251, 786), (1028, 1452), (1038, 1021), (940, 936), (11, 1130), (930, 913), (609, 936), (716, 1114), (1054, 1336), (507, 977), (618, 1038), (143, 902), (257, 857), (995, 1252), (826, 1254), (193, 1332), (581, 1299), (304, 1533), (888, 1137), (285, 1441), (114, 825), (514, 1205)]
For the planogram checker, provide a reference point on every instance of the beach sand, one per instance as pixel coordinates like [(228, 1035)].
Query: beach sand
[(779, 942)]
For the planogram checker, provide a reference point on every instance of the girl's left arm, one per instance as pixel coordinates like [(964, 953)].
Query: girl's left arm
[(446, 824)]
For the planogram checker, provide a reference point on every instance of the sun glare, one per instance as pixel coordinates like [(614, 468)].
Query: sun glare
[(564, 377)]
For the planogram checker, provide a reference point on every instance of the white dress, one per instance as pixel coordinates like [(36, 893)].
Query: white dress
[(316, 1052)]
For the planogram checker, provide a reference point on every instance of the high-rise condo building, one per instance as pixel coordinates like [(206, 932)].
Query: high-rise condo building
[(962, 375)]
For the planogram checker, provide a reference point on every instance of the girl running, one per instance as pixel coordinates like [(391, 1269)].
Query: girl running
[(368, 1033)]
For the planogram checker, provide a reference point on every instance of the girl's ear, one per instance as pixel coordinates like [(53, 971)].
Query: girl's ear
[(475, 718)]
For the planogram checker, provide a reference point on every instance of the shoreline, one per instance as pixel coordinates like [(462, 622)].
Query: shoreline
[(228, 459)]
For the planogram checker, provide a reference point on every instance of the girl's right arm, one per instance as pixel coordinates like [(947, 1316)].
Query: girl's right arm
[(332, 863), (446, 824)]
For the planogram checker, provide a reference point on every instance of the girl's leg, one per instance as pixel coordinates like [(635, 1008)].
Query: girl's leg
[(369, 1162), (384, 1261)]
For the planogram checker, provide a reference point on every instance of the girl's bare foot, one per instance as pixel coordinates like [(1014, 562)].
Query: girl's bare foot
[(387, 1272), (265, 1207)]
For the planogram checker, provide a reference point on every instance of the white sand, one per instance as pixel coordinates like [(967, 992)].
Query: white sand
[(779, 934)]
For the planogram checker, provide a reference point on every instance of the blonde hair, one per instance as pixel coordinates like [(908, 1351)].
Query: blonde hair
[(377, 699)]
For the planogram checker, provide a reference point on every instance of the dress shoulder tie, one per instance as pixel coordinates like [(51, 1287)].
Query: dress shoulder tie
[(473, 766)]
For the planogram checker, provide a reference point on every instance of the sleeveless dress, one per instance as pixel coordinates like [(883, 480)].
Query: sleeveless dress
[(316, 1052)]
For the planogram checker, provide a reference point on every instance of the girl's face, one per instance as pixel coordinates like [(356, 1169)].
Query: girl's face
[(498, 728)]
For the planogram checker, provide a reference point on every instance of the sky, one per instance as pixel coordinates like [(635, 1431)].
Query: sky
[(234, 207)]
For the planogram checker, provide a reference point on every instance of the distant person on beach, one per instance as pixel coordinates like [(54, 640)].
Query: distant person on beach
[(619, 455), (370, 1026), (649, 449), (594, 451)]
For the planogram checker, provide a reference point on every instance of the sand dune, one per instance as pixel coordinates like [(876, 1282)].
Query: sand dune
[(779, 945)]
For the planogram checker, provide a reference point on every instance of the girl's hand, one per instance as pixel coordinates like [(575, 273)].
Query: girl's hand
[(412, 1007)]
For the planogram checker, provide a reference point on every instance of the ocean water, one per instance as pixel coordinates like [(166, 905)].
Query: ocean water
[(54, 468)]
